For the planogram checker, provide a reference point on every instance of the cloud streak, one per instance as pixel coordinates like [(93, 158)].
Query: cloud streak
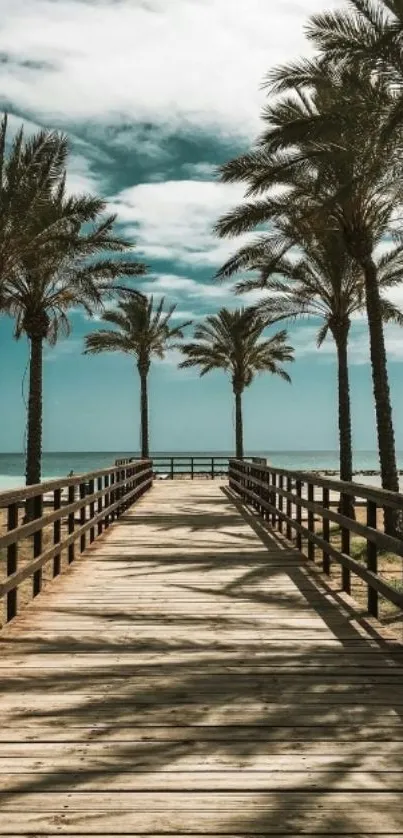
[(174, 219)]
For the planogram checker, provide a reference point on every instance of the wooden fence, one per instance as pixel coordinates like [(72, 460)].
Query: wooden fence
[(80, 506), (281, 496), (188, 465)]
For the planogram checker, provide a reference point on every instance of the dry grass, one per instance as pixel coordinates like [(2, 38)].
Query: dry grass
[(25, 555), (390, 569)]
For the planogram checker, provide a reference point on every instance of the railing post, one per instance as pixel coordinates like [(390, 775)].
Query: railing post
[(281, 503), (372, 558), (92, 511), (172, 468), (113, 494), (192, 468), (121, 478), (212, 468), (274, 499), (260, 490), (298, 515), (289, 510), (57, 502), (252, 487), (106, 505), (345, 544), (326, 532), (83, 517), (311, 522), (99, 505), (71, 547), (123, 490), (37, 577), (12, 560)]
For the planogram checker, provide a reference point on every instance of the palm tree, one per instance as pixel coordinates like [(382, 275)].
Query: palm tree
[(69, 269), (364, 31), (143, 331), (232, 341), (318, 279), (326, 148), (29, 170)]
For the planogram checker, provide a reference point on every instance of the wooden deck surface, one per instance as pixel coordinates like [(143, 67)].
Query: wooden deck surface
[(187, 677)]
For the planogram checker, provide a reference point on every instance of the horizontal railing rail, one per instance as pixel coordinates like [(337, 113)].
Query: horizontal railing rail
[(280, 496), (188, 465), (83, 504)]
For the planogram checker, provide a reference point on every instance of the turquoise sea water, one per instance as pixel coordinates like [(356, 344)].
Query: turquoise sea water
[(59, 464)]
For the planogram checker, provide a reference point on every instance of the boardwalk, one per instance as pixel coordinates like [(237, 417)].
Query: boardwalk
[(186, 677)]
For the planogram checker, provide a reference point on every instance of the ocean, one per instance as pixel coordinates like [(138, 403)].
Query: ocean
[(60, 463)]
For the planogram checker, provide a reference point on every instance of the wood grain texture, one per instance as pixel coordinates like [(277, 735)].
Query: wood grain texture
[(184, 677)]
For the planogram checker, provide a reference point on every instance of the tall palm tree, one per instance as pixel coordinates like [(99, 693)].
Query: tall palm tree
[(233, 341), (69, 269), (316, 277), (330, 133), (29, 169), (368, 31), (143, 331)]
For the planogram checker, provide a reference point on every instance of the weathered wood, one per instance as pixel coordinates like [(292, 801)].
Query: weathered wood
[(109, 777), (34, 568), (186, 678), (288, 813), (347, 563)]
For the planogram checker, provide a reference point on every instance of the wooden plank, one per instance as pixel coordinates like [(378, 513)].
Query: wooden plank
[(277, 737), (278, 813), (134, 758), (116, 779), (105, 711), (194, 745)]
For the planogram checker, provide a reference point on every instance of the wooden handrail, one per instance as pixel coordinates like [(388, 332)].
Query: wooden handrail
[(258, 486), (117, 488), (190, 465), (382, 497)]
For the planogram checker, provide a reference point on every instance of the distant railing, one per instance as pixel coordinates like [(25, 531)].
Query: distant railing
[(81, 505), (280, 496), (192, 466)]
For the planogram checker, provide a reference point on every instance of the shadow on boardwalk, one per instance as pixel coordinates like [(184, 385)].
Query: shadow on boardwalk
[(194, 675)]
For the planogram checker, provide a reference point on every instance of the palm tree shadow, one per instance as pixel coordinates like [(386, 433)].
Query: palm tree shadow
[(209, 685)]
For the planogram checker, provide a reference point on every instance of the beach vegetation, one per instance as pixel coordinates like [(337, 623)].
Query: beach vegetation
[(308, 272), (234, 341), (325, 156), (144, 330), (73, 258)]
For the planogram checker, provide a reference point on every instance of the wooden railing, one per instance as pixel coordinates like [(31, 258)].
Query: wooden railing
[(281, 497), (80, 507), (189, 465)]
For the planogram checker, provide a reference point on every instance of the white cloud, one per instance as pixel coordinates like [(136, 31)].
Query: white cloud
[(80, 177), (202, 171), (66, 347), (189, 290), (182, 314), (183, 64), (174, 220), (303, 339)]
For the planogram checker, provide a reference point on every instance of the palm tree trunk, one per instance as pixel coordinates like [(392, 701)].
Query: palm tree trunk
[(383, 407), (345, 436), (34, 437), (345, 440), (145, 452), (238, 426)]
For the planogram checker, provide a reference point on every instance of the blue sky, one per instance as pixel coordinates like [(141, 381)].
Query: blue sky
[(154, 95)]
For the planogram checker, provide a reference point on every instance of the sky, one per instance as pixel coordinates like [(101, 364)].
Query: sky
[(154, 95)]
